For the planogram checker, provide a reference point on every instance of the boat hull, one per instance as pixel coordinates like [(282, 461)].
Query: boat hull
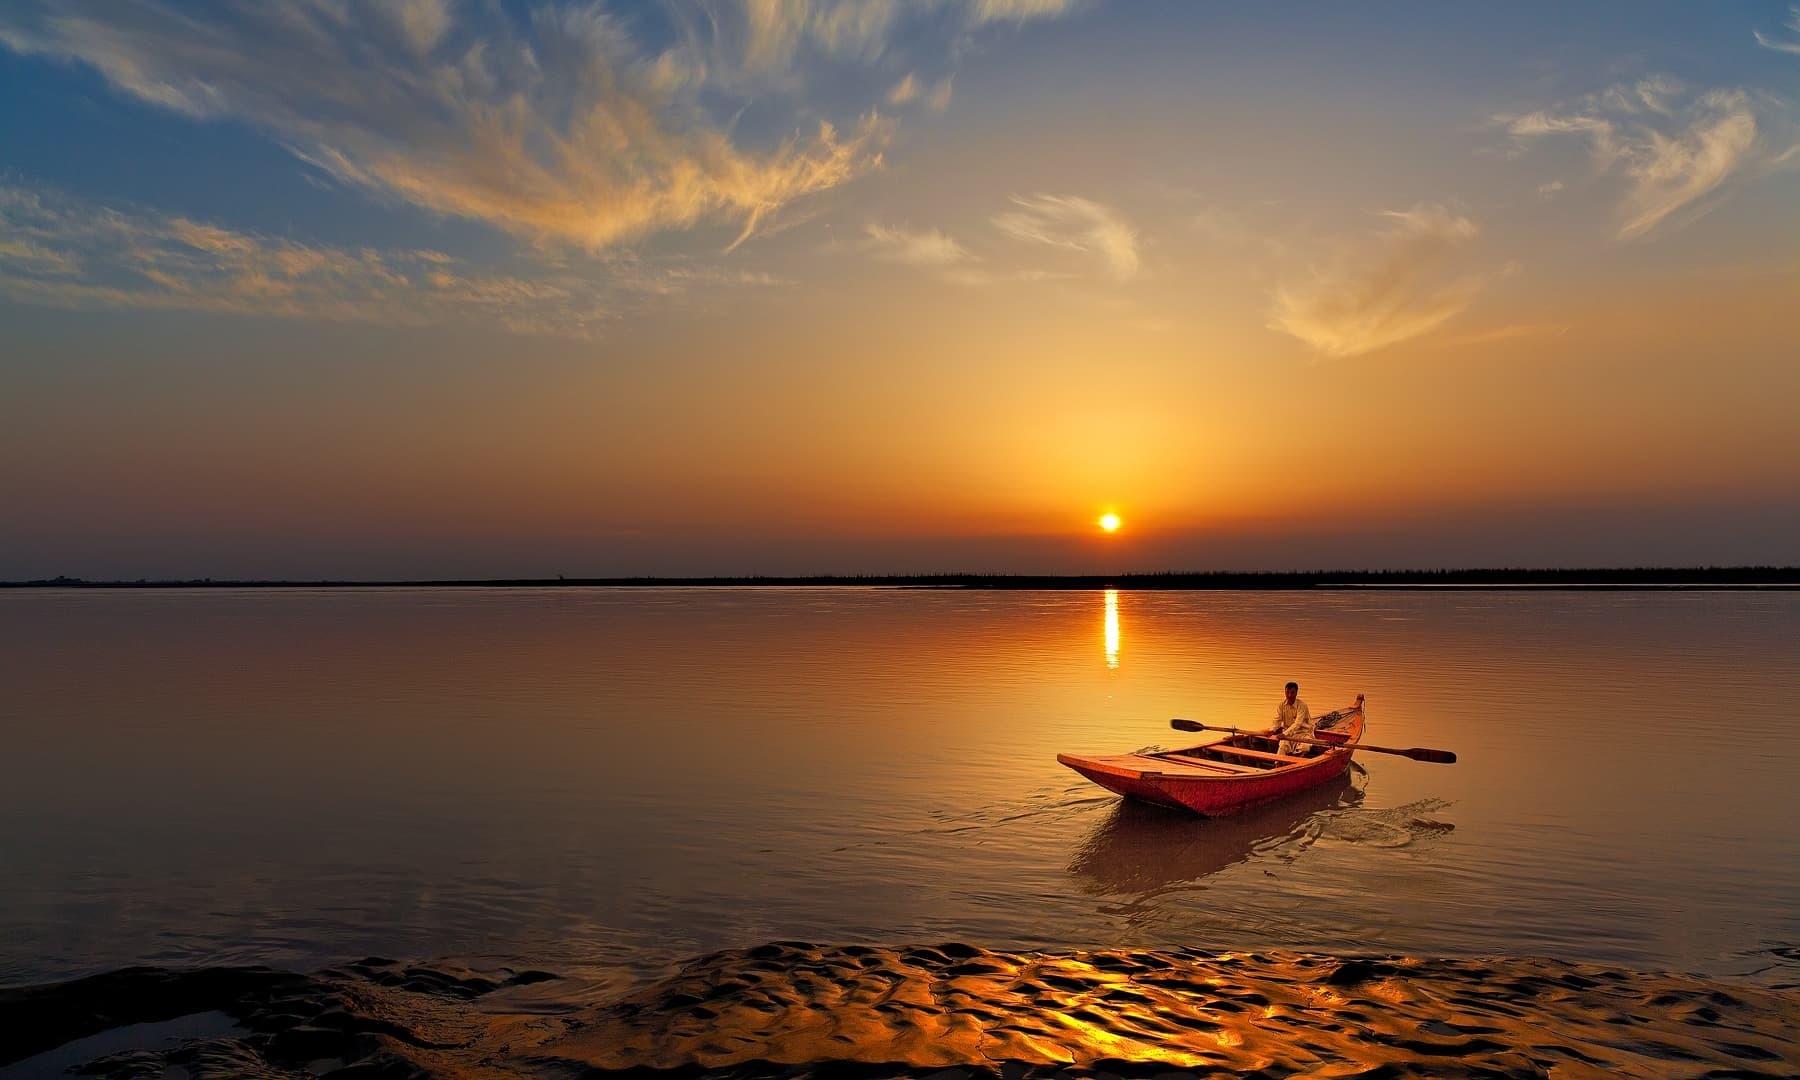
[(1182, 779)]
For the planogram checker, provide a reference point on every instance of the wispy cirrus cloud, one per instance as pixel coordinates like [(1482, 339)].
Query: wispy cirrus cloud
[(1074, 224), (772, 36), (771, 44), (1416, 281), (905, 91), (569, 123), (59, 251), (930, 247), (910, 90), (563, 125), (939, 98), (986, 11), (575, 128), (1779, 45), (1672, 149), (775, 31), (564, 128), (1510, 332)]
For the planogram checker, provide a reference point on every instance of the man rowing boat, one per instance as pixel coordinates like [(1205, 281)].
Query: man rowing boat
[(1293, 720)]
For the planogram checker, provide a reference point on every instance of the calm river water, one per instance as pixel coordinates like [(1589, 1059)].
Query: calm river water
[(607, 782)]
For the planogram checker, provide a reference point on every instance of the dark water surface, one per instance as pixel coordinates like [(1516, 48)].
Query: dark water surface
[(608, 782)]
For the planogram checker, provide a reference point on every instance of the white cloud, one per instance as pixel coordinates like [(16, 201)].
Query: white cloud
[(1778, 45), (562, 129), (986, 11), (25, 256), (1672, 172), (939, 98), (767, 44), (904, 91), (1414, 283), (423, 23), (63, 252), (1075, 224), (776, 29), (929, 248), (1601, 134), (910, 90), (1671, 155), (856, 28), (1510, 332), (561, 124)]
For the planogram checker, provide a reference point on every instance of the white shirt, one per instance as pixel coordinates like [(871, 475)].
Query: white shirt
[(1293, 721)]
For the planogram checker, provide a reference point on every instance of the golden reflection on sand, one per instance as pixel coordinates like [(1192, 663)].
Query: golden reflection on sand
[(792, 1010)]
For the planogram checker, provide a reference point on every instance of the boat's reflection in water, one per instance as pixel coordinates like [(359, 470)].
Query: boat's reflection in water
[(1140, 848)]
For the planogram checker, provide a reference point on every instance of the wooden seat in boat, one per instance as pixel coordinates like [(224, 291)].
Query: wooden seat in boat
[(1227, 766), (1284, 759)]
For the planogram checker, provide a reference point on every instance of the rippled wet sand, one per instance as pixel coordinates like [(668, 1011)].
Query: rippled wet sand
[(790, 1009)]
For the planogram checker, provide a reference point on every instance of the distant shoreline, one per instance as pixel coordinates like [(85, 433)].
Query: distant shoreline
[(1587, 579)]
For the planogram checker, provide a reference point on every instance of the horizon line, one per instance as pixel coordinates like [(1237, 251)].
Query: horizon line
[(1617, 577)]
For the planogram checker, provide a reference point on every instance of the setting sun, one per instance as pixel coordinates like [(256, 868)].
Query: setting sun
[(1110, 522)]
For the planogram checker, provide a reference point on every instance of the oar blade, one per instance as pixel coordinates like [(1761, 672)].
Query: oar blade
[(1417, 753), (1186, 725), (1423, 753)]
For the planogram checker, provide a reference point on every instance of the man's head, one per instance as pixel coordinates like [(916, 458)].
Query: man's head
[(1292, 689)]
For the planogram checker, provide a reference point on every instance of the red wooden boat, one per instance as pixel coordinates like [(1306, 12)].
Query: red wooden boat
[(1229, 775)]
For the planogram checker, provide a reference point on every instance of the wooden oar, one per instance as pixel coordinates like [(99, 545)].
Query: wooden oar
[(1417, 753)]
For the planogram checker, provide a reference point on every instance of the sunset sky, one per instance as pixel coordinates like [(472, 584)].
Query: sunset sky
[(476, 288)]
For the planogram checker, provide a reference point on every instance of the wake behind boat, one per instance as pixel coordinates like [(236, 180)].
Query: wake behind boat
[(1240, 771)]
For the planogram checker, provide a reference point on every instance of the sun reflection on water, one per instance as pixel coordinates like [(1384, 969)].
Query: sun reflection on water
[(1112, 628)]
